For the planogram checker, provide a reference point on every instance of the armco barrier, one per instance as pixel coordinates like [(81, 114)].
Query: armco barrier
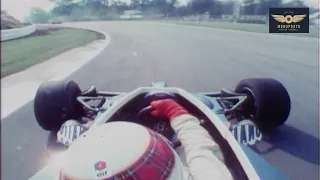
[(246, 18), (9, 34)]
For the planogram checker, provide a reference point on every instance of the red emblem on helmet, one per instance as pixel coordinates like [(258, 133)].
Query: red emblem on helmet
[(100, 165)]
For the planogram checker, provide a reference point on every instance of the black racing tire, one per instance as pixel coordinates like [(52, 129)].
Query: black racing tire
[(55, 102), (269, 102)]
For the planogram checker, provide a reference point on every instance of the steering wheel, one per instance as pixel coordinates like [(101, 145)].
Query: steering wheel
[(161, 126), (144, 111), (158, 124)]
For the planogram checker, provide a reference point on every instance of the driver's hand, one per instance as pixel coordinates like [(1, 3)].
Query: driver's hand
[(167, 108)]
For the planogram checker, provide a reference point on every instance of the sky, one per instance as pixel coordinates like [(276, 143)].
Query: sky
[(20, 8)]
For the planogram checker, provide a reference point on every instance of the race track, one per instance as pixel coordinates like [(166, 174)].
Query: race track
[(197, 59)]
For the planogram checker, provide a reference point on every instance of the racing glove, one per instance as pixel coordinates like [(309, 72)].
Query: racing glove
[(167, 108)]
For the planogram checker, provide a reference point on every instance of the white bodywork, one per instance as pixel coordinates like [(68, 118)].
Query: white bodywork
[(51, 171)]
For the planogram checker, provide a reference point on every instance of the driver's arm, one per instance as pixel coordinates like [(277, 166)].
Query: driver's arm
[(198, 145), (199, 148)]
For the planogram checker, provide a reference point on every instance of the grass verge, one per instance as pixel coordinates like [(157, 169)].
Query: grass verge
[(260, 28), (19, 54)]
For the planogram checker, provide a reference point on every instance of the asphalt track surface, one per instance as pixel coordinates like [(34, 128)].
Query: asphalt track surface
[(197, 59)]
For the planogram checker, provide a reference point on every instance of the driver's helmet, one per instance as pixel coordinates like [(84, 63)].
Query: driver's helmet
[(121, 150)]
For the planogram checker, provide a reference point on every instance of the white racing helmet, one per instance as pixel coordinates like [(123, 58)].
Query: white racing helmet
[(121, 150)]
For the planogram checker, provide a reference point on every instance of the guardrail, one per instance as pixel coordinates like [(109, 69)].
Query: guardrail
[(247, 18), (131, 16), (9, 34)]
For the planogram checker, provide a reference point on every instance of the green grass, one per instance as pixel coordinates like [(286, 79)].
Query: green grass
[(260, 28), (19, 54)]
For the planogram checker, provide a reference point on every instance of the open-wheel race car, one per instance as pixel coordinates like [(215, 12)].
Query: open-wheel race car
[(236, 119)]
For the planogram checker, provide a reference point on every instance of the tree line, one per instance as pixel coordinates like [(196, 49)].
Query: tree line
[(110, 9)]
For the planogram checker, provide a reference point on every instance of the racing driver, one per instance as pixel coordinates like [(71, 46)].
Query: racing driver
[(129, 151)]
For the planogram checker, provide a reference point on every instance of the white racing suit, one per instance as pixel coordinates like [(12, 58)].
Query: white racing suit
[(202, 154)]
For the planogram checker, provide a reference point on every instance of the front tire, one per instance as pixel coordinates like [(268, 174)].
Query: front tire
[(269, 102), (55, 102)]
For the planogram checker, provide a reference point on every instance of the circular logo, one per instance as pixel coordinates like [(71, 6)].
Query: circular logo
[(288, 19)]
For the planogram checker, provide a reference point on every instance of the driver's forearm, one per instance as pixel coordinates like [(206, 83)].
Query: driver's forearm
[(199, 148)]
